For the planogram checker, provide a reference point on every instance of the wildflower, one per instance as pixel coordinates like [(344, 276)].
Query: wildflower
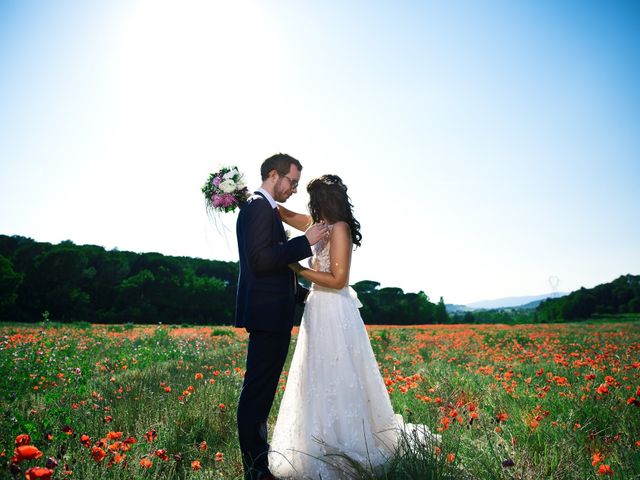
[(98, 454), (445, 424), (151, 435), (451, 457), (114, 435), (68, 430), (38, 472), (115, 446), (117, 458), (203, 446), (127, 442), (602, 389), (162, 454), (198, 376), (502, 417), (605, 470), (23, 439), (596, 458), (25, 452), (146, 463), (219, 457)]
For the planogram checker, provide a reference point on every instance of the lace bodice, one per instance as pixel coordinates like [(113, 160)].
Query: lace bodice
[(321, 260)]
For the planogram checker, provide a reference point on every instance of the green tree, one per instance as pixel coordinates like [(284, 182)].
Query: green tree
[(9, 283), (441, 315)]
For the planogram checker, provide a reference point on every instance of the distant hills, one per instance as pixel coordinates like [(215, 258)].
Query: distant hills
[(526, 302), (618, 297)]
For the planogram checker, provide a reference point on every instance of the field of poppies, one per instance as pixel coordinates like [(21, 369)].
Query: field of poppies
[(92, 402)]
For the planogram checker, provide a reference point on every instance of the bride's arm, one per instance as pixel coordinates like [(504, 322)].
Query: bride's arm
[(298, 221), (340, 254)]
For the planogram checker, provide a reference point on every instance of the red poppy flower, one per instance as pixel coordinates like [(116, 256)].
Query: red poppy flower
[(98, 454), (162, 454), (605, 470), (38, 472), (23, 439), (25, 452), (596, 458), (502, 417)]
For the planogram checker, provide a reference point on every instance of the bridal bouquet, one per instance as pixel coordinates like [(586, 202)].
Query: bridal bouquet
[(225, 190)]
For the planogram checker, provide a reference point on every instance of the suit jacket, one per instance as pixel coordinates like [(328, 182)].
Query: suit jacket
[(266, 296)]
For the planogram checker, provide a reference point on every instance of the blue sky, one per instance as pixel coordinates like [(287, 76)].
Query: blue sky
[(487, 146)]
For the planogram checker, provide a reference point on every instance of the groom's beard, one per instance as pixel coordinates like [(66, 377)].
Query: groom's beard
[(281, 194)]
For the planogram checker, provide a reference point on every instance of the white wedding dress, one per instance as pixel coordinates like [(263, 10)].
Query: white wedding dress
[(335, 404)]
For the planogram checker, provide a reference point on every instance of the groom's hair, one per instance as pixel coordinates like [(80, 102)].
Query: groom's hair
[(280, 162)]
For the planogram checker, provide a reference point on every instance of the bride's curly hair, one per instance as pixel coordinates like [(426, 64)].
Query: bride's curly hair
[(328, 200)]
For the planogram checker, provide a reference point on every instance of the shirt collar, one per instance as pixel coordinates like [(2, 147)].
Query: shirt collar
[(268, 196)]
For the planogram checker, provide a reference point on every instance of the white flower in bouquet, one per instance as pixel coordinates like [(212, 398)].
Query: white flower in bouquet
[(227, 186)]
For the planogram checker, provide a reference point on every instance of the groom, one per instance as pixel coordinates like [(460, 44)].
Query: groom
[(267, 294)]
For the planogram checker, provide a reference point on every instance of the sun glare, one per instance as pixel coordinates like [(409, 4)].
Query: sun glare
[(193, 70)]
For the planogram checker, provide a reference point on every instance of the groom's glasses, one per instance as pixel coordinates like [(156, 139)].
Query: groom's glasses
[(292, 183)]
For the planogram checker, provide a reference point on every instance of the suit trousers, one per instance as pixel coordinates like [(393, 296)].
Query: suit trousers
[(266, 355)]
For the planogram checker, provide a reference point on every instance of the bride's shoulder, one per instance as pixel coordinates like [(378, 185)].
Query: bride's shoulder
[(341, 228)]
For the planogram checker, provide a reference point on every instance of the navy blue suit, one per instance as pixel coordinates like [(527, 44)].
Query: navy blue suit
[(266, 300)]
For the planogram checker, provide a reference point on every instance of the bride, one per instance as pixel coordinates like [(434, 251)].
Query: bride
[(335, 412)]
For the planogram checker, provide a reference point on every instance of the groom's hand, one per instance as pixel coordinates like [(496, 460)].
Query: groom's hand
[(316, 232)]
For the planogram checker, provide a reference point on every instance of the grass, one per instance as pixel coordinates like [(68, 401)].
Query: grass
[(510, 402)]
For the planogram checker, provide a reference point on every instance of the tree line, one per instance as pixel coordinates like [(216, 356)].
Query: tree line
[(68, 282), (621, 296)]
